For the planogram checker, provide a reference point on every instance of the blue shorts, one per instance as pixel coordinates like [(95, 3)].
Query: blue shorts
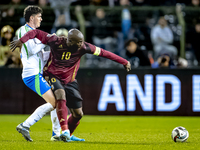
[(37, 83)]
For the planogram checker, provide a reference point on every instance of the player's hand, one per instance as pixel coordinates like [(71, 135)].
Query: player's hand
[(14, 44), (128, 66)]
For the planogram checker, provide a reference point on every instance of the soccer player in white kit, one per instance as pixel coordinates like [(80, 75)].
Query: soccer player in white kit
[(32, 56)]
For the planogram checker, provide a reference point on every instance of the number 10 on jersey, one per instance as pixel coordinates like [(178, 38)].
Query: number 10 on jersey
[(66, 55)]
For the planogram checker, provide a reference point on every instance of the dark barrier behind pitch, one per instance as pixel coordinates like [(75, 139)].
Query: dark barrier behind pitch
[(16, 98)]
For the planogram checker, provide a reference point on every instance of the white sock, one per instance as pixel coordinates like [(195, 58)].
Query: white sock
[(38, 114), (55, 123), (66, 131)]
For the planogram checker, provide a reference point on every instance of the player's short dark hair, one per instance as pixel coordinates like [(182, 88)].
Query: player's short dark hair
[(31, 10)]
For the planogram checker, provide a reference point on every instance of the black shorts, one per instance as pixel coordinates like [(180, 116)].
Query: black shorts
[(73, 96)]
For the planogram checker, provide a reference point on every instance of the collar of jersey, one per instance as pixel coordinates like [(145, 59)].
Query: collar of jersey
[(29, 26)]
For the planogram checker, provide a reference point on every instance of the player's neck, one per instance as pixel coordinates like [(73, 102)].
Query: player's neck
[(31, 25)]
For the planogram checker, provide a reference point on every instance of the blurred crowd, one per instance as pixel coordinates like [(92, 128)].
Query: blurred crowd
[(8, 58), (154, 43), (110, 3)]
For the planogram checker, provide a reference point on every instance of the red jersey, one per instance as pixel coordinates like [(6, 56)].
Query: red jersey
[(63, 64)]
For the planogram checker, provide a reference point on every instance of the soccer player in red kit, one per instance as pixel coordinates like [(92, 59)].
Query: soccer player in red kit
[(61, 70)]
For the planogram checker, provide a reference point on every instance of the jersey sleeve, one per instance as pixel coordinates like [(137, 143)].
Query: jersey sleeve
[(44, 37), (31, 46), (92, 49)]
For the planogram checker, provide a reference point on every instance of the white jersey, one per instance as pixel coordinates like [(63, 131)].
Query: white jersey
[(31, 54)]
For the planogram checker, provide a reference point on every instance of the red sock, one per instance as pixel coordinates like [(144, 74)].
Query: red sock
[(73, 123), (62, 113)]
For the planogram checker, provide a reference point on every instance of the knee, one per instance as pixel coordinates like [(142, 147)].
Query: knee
[(60, 94), (53, 105), (78, 114)]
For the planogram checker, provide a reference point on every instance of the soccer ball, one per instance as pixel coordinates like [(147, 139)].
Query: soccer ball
[(180, 134)]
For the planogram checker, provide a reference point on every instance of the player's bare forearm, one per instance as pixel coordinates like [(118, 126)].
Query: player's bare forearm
[(14, 44)]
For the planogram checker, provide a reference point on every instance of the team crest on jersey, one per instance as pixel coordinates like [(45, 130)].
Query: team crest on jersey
[(61, 46)]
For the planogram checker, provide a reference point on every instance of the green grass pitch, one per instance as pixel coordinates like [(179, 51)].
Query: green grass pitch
[(104, 132)]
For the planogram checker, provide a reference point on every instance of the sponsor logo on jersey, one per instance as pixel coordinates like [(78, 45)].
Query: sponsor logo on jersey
[(61, 46), (61, 120)]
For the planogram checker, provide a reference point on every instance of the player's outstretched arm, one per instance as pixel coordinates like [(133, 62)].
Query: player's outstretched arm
[(14, 44), (41, 35), (114, 57), (109, 55)]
